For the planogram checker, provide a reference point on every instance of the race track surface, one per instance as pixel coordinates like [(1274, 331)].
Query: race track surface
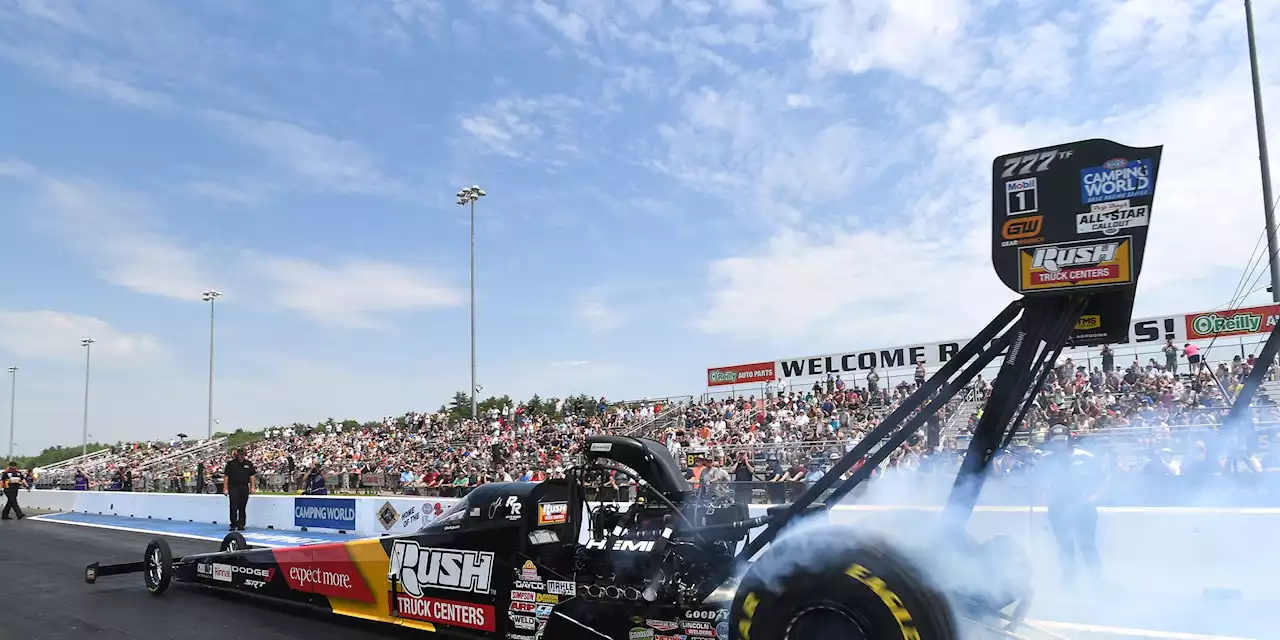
[(45, 597)]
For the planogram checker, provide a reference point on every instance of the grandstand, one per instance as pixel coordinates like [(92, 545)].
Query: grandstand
[(787, 432)]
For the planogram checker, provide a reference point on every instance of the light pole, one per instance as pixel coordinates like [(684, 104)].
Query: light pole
[(84, 437), (468, 197), (210, 296), (13, 394), (1264, 161)]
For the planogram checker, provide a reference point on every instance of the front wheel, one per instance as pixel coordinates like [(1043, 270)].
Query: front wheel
[(849, 589), (158, 563), (234, 541)]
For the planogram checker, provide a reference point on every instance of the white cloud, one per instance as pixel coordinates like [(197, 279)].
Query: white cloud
[(926, 274), (328, 163), (354, 294), (53, 335), (86, 78), (544, 127), (595, 313), (121, 235), (568, 23)]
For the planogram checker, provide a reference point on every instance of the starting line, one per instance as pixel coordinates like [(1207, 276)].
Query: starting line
[(193, 530)]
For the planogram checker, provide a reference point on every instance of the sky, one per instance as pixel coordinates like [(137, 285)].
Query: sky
[(671, 185)]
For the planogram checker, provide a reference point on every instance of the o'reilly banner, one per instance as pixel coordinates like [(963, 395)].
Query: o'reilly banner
[(325, 513)]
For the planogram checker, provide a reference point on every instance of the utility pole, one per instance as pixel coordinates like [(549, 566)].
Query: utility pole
[(1264, 160)]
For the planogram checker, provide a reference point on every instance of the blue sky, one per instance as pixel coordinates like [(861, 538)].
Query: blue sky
[(672, 184)]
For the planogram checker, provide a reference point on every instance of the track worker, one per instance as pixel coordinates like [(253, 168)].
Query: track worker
[(238, 481), (1072, 479), (12, 479)]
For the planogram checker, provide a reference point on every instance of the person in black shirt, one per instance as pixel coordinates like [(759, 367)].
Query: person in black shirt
[(314, 484), (1073, 479), (238, 482), (13, 479), (743, 474)]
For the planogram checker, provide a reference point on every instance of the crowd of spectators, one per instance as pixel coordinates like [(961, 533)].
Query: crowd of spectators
[(1148, 417)]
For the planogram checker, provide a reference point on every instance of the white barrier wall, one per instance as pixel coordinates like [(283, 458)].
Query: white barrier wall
[(1173, 550), (374, 515)]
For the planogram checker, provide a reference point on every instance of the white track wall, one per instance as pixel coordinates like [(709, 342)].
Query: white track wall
[(1155, 550)]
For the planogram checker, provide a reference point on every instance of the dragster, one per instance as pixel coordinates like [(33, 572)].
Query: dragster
[(541, 562)]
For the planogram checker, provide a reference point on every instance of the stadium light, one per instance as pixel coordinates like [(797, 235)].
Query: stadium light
[(84, 438), (468, 197), (13, 394), (210, 296)]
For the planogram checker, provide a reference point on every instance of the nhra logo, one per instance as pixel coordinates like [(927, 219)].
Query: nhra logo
[(418, 567), (1076, 265)]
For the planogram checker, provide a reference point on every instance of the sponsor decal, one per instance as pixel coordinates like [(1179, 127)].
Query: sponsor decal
[(221, 572), (1021, 197), (204, 568), (1077, 264), (418, 568), (623, 545), (700, 632), (256, 584), (704, 614), (527, 623), (1032, 162), (1101, 207), (534, 586), (551, 513), (1216, 324), (640, 633), (528, 571), (523, 607), (388, 516), (1112, 222), (562, 587), (466, 615), (475, 513), (661, 625), (722, 629), (510, 503), (548, 598), (696, 624), (520, 636), (326, 513), (542, 611), (325, 569), (523, 596), (670, 638), (741, 374), (542, 536), (1116, 179), (1088, 322), (1022, 228)]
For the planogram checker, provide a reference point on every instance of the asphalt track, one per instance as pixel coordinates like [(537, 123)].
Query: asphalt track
[(43, 597)]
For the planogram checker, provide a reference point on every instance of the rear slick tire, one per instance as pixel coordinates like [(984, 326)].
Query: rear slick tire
[(158, 561), (863, 591)]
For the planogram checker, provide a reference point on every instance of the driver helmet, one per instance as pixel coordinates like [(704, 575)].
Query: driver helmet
[(1059, 435)]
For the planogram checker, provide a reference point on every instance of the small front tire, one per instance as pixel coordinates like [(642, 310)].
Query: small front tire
[(233, 542), (159, 566)]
